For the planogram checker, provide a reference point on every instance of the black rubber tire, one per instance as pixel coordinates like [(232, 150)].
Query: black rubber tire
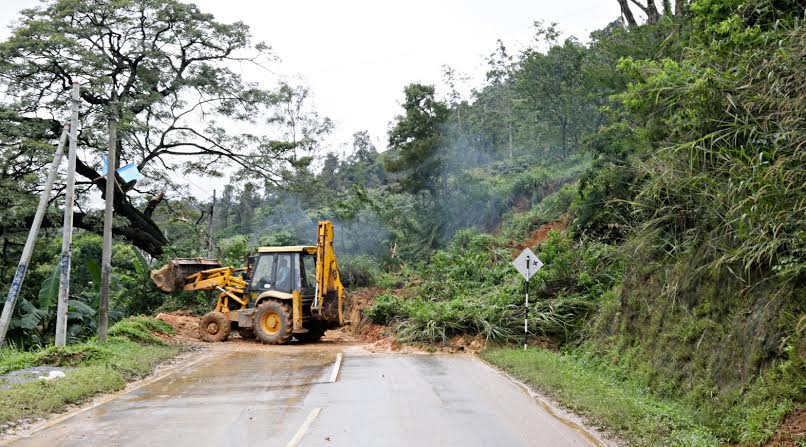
[(246, 333), (214, 327), (278, 333), (315, 332)]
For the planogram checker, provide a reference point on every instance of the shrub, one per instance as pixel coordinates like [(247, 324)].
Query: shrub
[(386, 309), (141, 329), (358, 271)]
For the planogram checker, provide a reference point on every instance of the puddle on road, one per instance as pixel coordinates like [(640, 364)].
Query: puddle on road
[(250, 393)]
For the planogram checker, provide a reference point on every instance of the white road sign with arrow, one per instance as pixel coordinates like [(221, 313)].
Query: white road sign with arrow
[(527, 263)]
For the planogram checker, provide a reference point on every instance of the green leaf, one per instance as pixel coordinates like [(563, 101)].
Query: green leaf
[(30, 316), (140, 264), (94, 270), (80, 308), (49, 292)]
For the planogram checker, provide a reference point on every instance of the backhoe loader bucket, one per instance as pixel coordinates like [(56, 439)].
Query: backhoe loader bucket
[(171, 276)]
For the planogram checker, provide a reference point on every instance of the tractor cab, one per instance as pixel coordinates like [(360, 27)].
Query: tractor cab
[(280, 271)]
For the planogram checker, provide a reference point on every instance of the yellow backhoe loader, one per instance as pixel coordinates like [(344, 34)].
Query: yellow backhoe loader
[(283, 292)]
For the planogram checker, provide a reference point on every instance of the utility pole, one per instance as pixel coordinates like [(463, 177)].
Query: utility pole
[(28, 250), (106, 256), (67, 231), (210, 229)]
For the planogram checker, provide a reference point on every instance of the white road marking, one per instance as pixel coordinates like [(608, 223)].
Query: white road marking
[(336, 367), (294, 442)]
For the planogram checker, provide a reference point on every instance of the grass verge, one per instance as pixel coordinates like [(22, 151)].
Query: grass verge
[(131, 352), (591, 389)]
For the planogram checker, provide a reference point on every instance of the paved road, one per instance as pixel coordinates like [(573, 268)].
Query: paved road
[(282, 396)]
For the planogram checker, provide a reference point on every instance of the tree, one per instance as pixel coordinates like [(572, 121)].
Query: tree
[(554, 90), (169, 65), (650, 9), (626, 12), (247, 203), (299, 125), (363, 149), (415, 138)]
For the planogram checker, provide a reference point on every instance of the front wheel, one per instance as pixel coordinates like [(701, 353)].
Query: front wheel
[(214, 326), (272, 322)]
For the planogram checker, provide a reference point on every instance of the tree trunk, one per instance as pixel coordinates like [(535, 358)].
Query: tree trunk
[(141, 231), (627, 13), (565, 144), (653, 15), (680, 7), (509, 132)]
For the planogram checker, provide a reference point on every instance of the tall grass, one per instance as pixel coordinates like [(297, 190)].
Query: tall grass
[(471, 288)]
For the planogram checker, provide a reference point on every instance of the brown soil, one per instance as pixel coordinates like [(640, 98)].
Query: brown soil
[(360, 328), (792, 432), (539, 235), (184, 323)]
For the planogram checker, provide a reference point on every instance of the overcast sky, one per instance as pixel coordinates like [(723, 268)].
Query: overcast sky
[(356, 55)]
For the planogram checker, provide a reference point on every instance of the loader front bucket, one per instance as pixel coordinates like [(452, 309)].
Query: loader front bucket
[(171, 276)]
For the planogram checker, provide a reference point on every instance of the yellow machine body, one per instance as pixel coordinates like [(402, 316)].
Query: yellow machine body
[(251, 304)]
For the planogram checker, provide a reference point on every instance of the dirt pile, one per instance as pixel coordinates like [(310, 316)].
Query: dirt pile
[(792, 432), (361, 328), (185, 324), (540, 234)]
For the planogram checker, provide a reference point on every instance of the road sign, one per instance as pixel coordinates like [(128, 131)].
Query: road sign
[(527, 263)]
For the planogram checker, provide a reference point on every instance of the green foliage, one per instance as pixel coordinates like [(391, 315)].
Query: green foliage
[(386, 309), (712, 222), (415, 139), (592, 388), (233, 250), (141, 329), (358, 271), (517, 225), (471, 288), (87, 353)]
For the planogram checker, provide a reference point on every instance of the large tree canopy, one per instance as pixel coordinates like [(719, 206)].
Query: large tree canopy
[(171, 68)]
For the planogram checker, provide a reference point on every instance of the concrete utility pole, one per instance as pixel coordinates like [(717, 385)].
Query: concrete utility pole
[(106, 257), (28, 250), (67, 231), (210, 229)]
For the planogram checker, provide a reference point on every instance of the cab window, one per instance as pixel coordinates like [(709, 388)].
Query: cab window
[(262, 275), (308, 270), (284, 272)]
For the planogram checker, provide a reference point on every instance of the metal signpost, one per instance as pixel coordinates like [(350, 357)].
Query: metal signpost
[(527, 263)]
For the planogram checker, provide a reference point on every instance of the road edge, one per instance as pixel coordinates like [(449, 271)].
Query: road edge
[(557, 411), (170, 366)]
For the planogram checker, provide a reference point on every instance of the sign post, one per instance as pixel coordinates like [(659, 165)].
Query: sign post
[(527, 264)]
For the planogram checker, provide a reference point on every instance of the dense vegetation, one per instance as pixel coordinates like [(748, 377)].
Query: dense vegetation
[(667, 157)]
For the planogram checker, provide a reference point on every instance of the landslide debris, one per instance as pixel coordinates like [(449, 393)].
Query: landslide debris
[(185, 324)]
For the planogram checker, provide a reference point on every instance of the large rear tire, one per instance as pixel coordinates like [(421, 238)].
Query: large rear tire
[(272, 322), (214, 326)]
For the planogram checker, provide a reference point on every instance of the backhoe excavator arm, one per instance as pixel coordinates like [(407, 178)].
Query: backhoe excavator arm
[(328, 281)]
